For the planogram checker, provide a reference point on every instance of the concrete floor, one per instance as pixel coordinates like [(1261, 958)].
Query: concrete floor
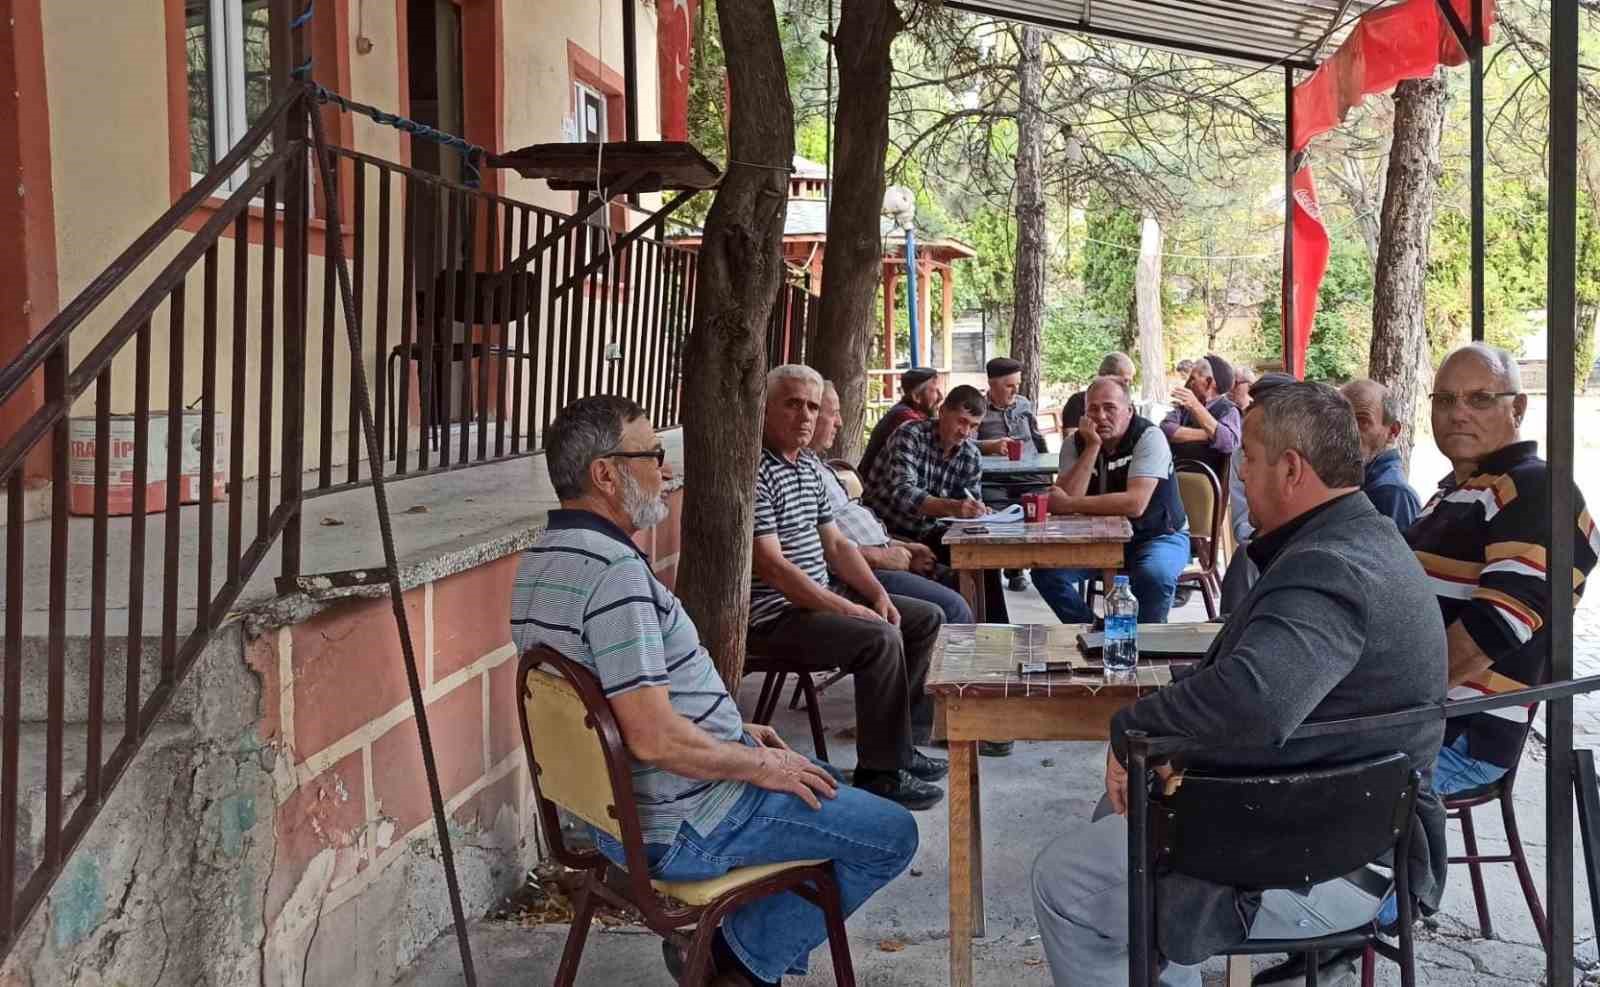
[(1027, 798)]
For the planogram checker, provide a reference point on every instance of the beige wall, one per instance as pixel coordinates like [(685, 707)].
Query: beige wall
[(111, 146)]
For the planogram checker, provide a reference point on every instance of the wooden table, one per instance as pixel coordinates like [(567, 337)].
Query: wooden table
[(975, 684), (1075, 541)]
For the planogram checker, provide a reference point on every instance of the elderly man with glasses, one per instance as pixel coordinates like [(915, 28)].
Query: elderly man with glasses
[(714, 792)]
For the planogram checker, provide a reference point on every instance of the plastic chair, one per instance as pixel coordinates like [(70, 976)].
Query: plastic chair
[(586, 770), (1290, 830), (1205, 501)]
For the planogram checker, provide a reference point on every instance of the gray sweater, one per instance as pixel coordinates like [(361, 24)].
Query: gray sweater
[(1340, 623)]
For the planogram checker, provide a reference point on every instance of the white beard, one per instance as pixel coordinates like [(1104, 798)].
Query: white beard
[(641, 509)]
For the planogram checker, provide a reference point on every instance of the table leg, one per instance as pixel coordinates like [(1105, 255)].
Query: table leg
[(972, 591), (1238, 971), (962, 755), (979, 927)]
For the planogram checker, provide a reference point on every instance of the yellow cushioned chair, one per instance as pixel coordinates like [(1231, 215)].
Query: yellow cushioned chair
[(586, 771), (1205, 501)]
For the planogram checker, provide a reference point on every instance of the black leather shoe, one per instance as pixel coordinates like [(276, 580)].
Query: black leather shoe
[(995, 748), (925, 768), (901, 787), (1016, 582), (1293, 969), (673, 956)]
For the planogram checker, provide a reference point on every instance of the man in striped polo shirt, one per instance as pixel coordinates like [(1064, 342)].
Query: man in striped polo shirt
[(714, 793), (1482, 539), (799, 614)]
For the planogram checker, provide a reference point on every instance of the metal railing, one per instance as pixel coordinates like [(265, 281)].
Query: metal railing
[(494, 353)]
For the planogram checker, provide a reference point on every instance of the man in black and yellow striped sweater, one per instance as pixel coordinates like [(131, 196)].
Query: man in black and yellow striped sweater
[(1483, 539)]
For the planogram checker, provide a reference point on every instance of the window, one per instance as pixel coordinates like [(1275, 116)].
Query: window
[(229, 68), (591, 112)]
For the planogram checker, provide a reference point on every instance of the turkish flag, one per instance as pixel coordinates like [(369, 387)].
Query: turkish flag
[(1311, 249), (674, 57)]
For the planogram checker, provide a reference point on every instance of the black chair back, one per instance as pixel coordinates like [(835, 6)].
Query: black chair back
[(1285, 830)]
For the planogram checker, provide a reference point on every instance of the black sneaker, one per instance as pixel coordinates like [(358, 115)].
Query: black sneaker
[(901, 787), (1016, 582), (925, 768), (995, 748)]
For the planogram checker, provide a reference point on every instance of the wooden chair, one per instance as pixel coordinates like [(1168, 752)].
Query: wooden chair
[(777, 673), (848, 477), (1205, 501), (1287, 831), (586, 770), (1460, 806)]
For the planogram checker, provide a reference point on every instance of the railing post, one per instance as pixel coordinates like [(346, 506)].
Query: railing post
[(297, 213)]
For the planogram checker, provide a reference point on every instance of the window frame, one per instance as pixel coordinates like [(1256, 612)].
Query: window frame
[(227, 105)]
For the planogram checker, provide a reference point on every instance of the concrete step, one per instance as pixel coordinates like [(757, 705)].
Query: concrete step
[(32, 767), (75, 698)]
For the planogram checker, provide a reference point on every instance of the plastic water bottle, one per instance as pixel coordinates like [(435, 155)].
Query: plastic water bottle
[(1122, 630)]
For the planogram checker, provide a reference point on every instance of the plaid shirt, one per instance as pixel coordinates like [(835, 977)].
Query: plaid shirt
[(914, 468), (855, 521)]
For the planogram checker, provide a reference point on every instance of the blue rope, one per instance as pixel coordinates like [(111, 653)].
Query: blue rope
[(471, 154), (304, 18)]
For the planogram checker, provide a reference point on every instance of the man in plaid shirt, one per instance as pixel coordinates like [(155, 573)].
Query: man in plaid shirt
[(932, 470)]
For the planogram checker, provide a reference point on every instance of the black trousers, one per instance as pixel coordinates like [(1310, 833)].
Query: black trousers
[(994, 597), (889, 664)]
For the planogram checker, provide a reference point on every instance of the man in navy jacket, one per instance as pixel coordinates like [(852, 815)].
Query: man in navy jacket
[(1379, 423)]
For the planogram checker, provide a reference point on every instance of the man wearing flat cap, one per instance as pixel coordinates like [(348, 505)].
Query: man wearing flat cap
[(920, 397), (1010, 414), (1204, 423)]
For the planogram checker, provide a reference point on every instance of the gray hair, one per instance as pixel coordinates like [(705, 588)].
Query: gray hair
[(1317, 422), (1114, 363), (1109, 381), (828, 388), (794, 371), (1243, 375), (583, 431), (1388, 401), (1499, 362)]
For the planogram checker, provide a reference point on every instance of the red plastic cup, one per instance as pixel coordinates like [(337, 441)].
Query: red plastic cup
[(1013, 449), (1035, 507)]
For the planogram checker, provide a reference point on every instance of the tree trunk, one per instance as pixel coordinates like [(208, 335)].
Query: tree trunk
[(1027, 326), (724, 377), (1147, 299), (1400, 358), (854, 272)]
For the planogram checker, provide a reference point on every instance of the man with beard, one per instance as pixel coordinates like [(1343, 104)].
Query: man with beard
[(725, 793), (920, 397), (800, 615)]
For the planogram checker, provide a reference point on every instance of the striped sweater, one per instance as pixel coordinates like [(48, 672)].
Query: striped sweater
[(790, 504), (587, 591), (1482, 543)]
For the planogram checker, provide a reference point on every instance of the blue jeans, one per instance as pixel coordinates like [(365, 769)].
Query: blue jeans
[(869, 839), (1153, 568), (1454, 771), (922, 588)]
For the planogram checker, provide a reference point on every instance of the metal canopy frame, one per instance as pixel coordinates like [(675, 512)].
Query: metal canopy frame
[(1295, 35)]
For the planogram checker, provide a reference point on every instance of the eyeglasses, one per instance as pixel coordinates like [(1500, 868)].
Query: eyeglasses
[(658, 454), (1476, 400)]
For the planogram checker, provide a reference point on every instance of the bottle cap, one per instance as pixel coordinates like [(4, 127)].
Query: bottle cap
[(1120, 581)]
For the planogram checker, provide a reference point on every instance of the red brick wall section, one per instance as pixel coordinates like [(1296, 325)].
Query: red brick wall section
[(456, 724), (348, 669), (329, 811), (470, 615)]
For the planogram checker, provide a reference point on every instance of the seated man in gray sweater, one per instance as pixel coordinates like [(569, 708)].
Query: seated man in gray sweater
[(1339, 625)]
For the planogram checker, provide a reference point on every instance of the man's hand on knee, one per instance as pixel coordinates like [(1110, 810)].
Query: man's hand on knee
[(782, 770)]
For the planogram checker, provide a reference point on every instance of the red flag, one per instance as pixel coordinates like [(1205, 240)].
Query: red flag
[(1406, 41), (1311, 249), (674, 56)]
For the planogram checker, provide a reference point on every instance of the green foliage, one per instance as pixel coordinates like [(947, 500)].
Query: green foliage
[(1341, 334), (1111, 265), (1075, 339)]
